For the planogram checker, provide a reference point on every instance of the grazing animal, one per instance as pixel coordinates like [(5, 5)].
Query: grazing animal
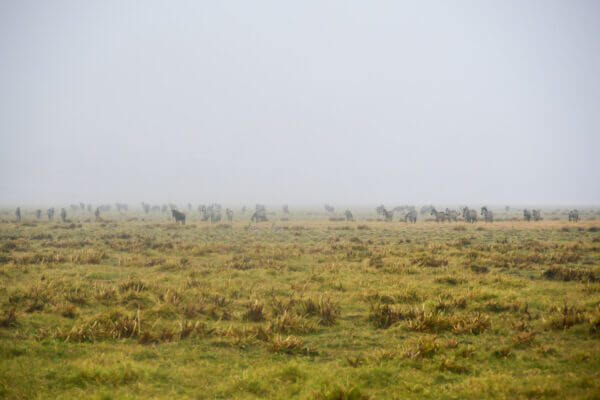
[(411, 216), (452, 215), (260, 214), (50, 213), (38, 214), (329, 209), (18, 213), (97, 214), (179, 216), (229, 213), (387, 215), (348, 215), (488, 215), (440, 216), (469, 215), (537, 215), (63, 215), (526, 215), (574, 215)]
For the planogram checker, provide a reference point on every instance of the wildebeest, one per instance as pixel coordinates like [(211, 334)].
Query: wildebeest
[(179, 216), (526, 215), (488, 215), (229, 214), (469, 215), (260, 214), (38, 213), (63, 215), (97, 213), (411, 216), (574, 215), (348, 215), (387, 215), (536, 215), (50, 213), (440, 216), (329, 209), (18, 213)]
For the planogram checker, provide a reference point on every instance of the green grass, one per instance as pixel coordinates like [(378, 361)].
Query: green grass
[(299, 309)]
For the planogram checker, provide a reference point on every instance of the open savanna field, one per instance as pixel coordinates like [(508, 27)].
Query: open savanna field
[(306, 308)]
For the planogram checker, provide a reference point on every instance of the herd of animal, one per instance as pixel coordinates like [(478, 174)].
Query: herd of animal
[(213, 213)]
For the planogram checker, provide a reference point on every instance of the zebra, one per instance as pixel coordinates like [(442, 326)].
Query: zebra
[(18, 213), (452, 215), (527, 215), (179, 216), (260, 214), (38, 213), (440, 216), (574, 215), (50, 213), (387, 215), (348, 215), (411, 216), (469, 215), (229, 213), (63, 215), (488, 215), (537, 215)]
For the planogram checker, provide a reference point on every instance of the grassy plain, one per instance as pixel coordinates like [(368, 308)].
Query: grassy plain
[(299, 309)]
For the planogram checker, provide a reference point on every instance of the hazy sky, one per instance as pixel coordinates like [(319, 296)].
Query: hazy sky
[(300, 102)]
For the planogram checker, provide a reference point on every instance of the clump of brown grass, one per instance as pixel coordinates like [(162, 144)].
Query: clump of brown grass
[(383, 315), (291, 323), (8, 318), (564, 317), (566, 274), (423, 347), (254, 312), (474, 324), (288, 345)]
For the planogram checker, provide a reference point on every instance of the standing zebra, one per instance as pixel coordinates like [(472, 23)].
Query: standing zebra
[(50, 213), (440, 216), (452, 215), (574, 215), (348, 215), (526, 215), (411, 216), (38, 213), (537, 215), (469, 215), (387, 215), (488, 215), (229, 213)]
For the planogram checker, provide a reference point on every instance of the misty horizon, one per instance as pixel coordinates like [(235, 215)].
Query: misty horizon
[(301, 104)]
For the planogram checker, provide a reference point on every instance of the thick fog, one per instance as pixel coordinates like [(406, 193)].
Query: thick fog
[(300, 102)]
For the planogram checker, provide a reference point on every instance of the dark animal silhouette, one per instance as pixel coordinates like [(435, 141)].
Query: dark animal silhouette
[(348, 215), (469, 215), (179, 216), (18, 213), (574, 215), (387, 215), (50, 213), (488, 215)]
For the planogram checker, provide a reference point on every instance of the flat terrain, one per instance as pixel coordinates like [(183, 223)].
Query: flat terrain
[(134, 308)]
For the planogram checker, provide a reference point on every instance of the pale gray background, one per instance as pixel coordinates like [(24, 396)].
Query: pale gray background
[(300, 102)]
